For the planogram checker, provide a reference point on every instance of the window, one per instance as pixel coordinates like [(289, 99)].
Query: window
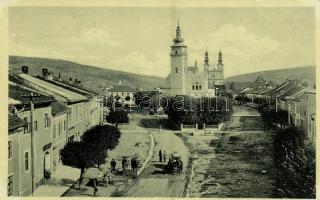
[(196, 87), (192, 87), (71, 138), (10, 185), (26, 161), (200, 87), (60, 156), (176, 69), (47, 120), (35, 125), (60, 128), (176, 52), (9, 149), (26, 129), (54, 131)]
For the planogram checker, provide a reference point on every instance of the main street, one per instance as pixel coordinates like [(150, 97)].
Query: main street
[(219, 168)]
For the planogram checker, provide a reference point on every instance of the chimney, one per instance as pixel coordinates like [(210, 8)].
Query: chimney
[(45, 73), (50, 76), (25, 69), (59, 77)]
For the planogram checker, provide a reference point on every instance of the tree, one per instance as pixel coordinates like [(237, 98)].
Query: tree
[(118, 116), (81, 155), (232, 87), (92, 150), (104, 137)]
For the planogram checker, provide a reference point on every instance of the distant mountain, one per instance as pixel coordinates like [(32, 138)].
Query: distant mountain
[(278, 76), (90, 76)]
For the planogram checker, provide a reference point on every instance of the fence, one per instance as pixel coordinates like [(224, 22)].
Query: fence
[(205, 129)]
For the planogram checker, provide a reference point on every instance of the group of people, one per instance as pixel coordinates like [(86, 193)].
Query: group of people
[(134, 165), (162, 156)]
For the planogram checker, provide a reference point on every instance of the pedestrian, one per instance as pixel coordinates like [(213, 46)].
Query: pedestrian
[(124, 164), (164, 156), (160, 156), (95, 191), (113, 164)]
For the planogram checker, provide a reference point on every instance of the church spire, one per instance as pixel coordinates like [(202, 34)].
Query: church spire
[(178, 38), (220, 58), (206, 57)]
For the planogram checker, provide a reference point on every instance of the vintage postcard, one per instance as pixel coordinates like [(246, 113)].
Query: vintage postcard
[(171, 99)]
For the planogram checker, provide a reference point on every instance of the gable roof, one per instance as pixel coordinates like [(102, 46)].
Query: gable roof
[(122, 88), (19, 95), (58, 108), (260, 79), (15, 122), (70, 96)]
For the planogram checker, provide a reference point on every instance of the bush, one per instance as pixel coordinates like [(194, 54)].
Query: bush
[(117, 117), (295, 163)]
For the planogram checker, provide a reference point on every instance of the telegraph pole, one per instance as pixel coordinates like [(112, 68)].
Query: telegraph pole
[(31, 96)]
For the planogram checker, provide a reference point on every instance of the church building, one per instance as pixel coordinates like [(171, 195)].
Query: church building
[(193, 80)]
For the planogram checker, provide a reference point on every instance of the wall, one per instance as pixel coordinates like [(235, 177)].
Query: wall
[(59, 138), (42, 137)]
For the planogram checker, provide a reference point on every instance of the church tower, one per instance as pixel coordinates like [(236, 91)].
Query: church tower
[(179, 62), (220, 68), (206, 61)]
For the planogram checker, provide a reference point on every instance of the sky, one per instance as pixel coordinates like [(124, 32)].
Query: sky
[(138, 40)]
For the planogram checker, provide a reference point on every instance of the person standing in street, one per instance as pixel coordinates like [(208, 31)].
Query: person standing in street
[(164, 156), (160, 156), (124, 165), (95, 191), (113, 164)]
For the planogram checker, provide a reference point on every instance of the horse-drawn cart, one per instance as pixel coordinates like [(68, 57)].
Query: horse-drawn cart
[(174, 164)]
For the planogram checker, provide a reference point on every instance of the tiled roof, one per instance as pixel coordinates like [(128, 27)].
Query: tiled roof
[(58, 108), (15, 122), (20, 94), (122, 88), (296, 94), (16, 79), (67, 94), (260, 79), (282, 86), (70, 87), (192, 69)]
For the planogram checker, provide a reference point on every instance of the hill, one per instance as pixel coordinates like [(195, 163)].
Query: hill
[(277, 76), (91, 77)]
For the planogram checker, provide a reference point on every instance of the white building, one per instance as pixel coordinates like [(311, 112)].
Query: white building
[(192, 80)]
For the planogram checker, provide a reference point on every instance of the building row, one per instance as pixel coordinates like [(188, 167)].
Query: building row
[(44, 114), (296, 97)]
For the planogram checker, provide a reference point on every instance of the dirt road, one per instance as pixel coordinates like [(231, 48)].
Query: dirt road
[(154, 180)]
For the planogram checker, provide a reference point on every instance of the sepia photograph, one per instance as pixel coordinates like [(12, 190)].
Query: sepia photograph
[(161, 101)]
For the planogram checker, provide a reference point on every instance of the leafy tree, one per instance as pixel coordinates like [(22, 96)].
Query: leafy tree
[(118, 116), (104, 137), (92, 150), (188, 110), (127, 98), (81, 155), (232, 87)]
